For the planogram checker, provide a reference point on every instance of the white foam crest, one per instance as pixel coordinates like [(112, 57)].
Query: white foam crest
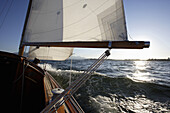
[(73, 71), (101, 74), (47, 67)]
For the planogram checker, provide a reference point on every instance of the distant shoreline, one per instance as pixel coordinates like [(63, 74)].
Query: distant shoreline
[(131, 59), (140, 59), (159, 59), (83, 58)]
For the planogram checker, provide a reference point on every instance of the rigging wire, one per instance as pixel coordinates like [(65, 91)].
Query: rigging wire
[(70, 71), (6, 14), (3, 7), (130, 36), (71, 67), (57, 102), (22, 85)]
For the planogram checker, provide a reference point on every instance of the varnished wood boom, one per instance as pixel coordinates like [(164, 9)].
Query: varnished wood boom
[(94, 44), (90, 44)]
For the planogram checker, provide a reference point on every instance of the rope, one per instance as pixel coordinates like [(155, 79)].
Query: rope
[(130, 36), (70, 90), (22, 72), (22, 90), (6, 14), (70, 71), (6, 1)]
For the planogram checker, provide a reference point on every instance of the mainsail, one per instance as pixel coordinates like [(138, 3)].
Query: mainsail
[(72, 21)]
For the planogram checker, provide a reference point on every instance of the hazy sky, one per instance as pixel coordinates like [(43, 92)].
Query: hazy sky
[(147, 20)]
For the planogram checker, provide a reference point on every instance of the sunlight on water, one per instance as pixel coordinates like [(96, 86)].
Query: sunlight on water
[(140, 64), (141, 92), (140, 73)]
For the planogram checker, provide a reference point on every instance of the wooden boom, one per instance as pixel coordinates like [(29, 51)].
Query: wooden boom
[(94, 44), (90, 44)]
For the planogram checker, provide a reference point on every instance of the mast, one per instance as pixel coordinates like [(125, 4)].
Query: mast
[(21, 47)]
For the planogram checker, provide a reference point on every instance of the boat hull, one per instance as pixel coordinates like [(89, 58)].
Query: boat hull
[(27, 87), (24, 84)]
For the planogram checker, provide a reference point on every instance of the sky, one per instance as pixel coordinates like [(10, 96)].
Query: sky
[(147, 20)]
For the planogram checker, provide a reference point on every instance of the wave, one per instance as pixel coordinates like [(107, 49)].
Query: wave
[(125, 83), (47, 67), (103, 93), (122, 94)]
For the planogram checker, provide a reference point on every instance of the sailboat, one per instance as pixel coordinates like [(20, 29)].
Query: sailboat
[(52, 29)]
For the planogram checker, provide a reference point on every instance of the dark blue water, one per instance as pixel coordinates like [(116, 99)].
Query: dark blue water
[(119, 86)]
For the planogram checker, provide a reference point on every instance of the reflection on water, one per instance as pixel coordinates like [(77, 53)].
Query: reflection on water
[(140, 73), (114, 92), (140, 65)]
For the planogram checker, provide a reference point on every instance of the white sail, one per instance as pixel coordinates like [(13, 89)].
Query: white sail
[(74, 20), (50, 53)]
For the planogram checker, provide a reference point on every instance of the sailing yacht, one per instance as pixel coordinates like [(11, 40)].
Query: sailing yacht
[(52, 29)]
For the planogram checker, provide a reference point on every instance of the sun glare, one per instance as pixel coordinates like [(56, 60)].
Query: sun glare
[(141, 73), (140, 65)]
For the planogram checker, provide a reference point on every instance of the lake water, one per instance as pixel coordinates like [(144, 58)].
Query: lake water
[(118, 86)]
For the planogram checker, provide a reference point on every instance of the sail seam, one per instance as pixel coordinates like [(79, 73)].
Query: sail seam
[(74, 22), (83, 32)]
